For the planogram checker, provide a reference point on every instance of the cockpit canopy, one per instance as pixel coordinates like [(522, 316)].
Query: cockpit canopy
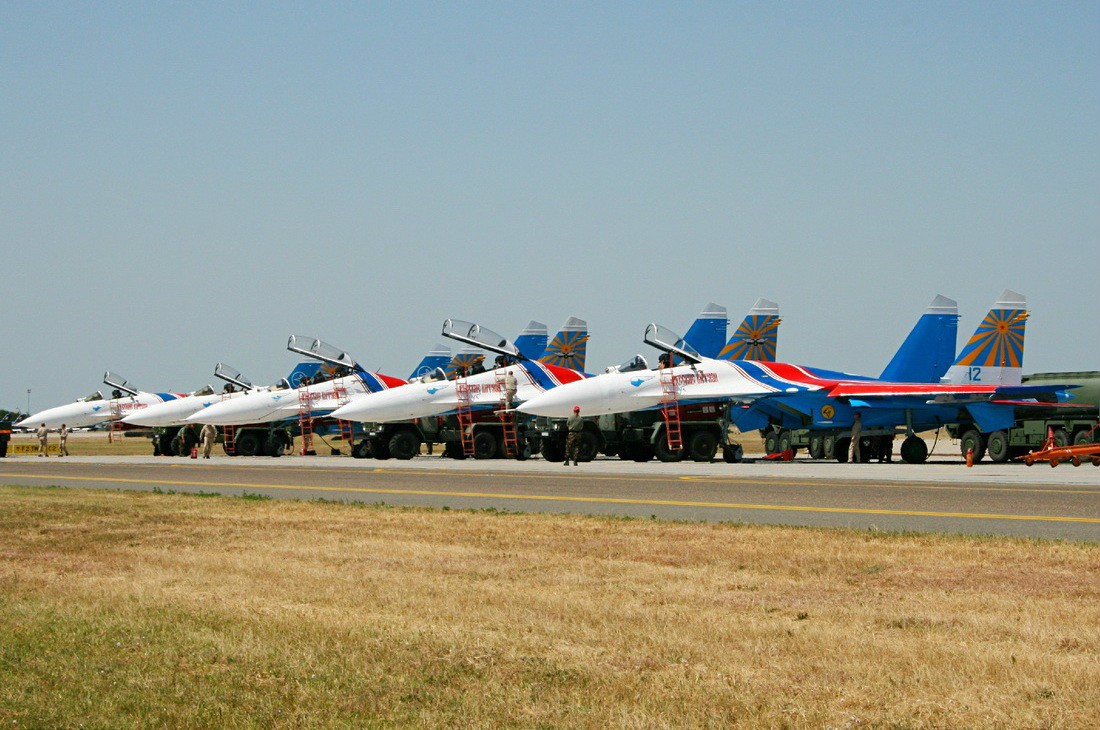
[(90, 398), (670, 343), (478, 336), (204, 390), (119, 384), (232, 375), (319, 350), (631, 365)]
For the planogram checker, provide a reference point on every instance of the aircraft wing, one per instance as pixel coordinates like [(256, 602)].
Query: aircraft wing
[(945, 392)]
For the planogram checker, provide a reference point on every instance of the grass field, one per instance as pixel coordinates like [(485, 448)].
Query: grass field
[(137, 609)]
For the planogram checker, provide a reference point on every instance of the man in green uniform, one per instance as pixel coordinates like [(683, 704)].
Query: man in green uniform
[(573, 441)]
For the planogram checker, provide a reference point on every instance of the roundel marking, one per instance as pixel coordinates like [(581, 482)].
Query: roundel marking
[(827, 411)]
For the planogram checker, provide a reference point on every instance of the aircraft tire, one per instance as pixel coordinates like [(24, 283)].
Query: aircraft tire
[(914, 450), (248, 444), (361, 450), (997, 447), (485, 445), (553, 450), (817, 445), (404, 445), (453, 450), (972, 439), (702, 446), (733, 453), (380, 448)]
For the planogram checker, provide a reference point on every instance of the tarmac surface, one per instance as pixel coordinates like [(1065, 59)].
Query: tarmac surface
[(940, 496)]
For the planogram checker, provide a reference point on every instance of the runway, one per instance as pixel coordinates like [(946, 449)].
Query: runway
[(946, 496)]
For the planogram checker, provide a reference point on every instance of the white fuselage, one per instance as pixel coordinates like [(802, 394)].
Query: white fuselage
[(89, 413), (710, 380), (279, 405), (176, 412), (439, 397)]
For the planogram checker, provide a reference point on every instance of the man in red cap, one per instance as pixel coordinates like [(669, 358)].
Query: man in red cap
[(573, 441)]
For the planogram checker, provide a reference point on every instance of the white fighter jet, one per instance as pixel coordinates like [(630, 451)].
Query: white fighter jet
[(485, 389), (95, 409)]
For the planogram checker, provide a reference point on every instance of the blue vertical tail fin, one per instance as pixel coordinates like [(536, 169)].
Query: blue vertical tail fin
[(307, 369), (757, 337), (569, 347), (995, 352), (707, 333), (438, 357), (929, 349), (531, 342)]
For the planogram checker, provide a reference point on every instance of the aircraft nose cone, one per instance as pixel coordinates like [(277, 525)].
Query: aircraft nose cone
[(559, 402)]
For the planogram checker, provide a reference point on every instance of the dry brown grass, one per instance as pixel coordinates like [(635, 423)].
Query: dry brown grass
[(137, 609)]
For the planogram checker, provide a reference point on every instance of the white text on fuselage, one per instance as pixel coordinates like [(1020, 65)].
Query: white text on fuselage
[(695, 378)]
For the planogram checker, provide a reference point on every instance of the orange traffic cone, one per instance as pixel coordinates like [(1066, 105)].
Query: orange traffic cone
[(970, 457)]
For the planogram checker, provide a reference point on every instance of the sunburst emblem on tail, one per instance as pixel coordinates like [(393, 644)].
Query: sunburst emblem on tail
[(569, 347), (463, 362), (998, 341), (758, 336)]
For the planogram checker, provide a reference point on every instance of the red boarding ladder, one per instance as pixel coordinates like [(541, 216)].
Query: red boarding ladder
[(507, 422), (116, 421), (229, 433), (305, 421), (465, 416), (670, 409), (347, 428)]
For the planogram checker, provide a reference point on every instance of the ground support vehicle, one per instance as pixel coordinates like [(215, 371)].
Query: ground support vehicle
[(1068, 425), (641, 435), (261, 439), (1054, 454), (836, 443), (403, 439)]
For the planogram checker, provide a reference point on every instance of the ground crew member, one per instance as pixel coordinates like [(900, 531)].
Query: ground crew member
[(63, 438), (43, 436), (510, 387), (209, 433), (857, 426), (573, 441)]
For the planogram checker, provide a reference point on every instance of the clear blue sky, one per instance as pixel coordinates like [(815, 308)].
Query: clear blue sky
[(192, 182)]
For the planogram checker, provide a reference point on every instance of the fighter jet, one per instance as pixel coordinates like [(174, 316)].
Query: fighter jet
[(439, 397), (95, 409), (995, 350)]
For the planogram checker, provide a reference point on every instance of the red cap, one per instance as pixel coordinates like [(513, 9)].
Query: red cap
[(576, 409)]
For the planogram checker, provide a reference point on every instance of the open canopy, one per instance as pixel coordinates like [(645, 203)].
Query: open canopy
[(478, 336), (232, 375), (318, 350), (668, 341), (116, 381)]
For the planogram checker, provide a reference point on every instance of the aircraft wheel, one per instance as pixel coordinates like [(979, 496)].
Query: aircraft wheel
[(361, 450), (589, 446), (914, 450), (664, 453), (485, 445), (817, 446), (841, 447), (380, 447), (732, 453), (248, 444), (1061, 438), (771, 443), (553, 450), (167, 446), (453, 450), (404, 445), (702, 446), (972, 439), (997, 447)]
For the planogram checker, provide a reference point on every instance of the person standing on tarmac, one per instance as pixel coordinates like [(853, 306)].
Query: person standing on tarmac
[(857, 426), (209, 433), (43, 439), (573, 441), (510, 387), (63, 440)]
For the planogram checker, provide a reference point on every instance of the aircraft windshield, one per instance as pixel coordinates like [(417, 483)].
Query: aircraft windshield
[(668, 341), (319, 350), (205, 390), (232, 375), (478, 336), (89, 398), (119, 383), (632, 365), (437, 374), (280, 384)]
